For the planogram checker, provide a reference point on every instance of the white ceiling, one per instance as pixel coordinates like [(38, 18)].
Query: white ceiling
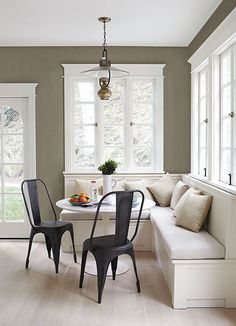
[(74, 22)]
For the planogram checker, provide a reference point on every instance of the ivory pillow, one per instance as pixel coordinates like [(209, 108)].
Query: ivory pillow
[(162, 190), (182, 200), (139, 185), (194, 212), (85, 185), (180, 189)]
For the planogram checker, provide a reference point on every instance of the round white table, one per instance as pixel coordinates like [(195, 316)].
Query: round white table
[(106, 212)]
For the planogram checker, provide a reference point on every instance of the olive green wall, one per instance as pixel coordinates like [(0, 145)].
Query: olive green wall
[(43, 65), (213, 22)]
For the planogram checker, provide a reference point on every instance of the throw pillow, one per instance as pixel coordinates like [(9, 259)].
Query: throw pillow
[(180, 189), (139, 185), (194, 212), (162, 190), (180, 203), (85, 185)]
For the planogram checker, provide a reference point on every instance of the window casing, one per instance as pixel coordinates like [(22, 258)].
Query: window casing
[(127, 128)]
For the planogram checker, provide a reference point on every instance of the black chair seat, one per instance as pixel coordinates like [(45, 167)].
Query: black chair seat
[(106, 242), (53, 230), (53, 224), (106, 249)]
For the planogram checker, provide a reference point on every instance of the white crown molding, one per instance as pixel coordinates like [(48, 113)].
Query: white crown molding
[(224, 33)]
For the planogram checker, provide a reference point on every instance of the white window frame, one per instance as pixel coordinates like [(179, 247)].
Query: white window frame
[(154, 71), (218, 42), (195, 123), (20, 229)]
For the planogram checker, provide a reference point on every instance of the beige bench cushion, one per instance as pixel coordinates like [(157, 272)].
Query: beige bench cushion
[(180, 243)]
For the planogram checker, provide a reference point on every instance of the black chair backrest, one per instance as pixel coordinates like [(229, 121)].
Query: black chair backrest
[(124, 202), (30, 191)]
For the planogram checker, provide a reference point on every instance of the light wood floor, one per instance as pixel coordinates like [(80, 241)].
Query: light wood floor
[(39, 297)]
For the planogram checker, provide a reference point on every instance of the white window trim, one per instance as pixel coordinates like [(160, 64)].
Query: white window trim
[(135, 70), (26, 90)]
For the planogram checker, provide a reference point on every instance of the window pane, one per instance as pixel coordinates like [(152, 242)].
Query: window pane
[(13, 148), (203, 83), (142, 135), (116, 154), (226, 101), (142, 91), (84, 91), (142, 113), (117, 90), (84, 157), (113, 112), (113, 135), (203, 131), (13, 176), (84, 113), (225, 165), (226, 132), (203, 109), (12, 120), (14, 208), (226, 69), (84, 135), (202, 161), (143, 157)]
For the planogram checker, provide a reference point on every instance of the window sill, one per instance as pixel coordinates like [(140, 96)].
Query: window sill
[(95, 172), (217, 184)]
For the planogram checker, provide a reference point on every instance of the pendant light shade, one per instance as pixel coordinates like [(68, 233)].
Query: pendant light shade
[(104, 72)]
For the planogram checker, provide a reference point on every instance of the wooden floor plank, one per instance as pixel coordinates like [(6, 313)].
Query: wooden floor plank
[(39, 297)]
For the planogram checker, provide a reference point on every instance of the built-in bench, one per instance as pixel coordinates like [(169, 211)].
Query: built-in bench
[(199, 268)]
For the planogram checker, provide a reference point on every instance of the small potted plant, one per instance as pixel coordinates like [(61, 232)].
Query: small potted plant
[(108, 168)]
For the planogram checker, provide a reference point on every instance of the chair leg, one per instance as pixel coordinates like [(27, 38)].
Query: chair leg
[(56, 252), (83, 263), (32, 234), (48, 245), (101, 277), (114, 267), (132, 255), (73, 244)]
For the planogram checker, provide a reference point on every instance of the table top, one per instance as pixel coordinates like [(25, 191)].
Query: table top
[(65, 204)]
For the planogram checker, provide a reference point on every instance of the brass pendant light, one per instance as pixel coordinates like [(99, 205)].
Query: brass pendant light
[(104, 72)]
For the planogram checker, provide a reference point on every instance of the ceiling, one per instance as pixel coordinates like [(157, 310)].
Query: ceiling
[(74, 22)]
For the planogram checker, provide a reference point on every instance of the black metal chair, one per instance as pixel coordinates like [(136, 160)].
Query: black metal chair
[(106, 249), (52, 229)]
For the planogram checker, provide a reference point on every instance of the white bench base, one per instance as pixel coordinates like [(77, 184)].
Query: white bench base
[(198, 283)]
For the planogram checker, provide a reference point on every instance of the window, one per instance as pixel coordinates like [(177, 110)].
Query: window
[(17, 155), (213, 139), (201, 120), (127, 128), (227, 117)]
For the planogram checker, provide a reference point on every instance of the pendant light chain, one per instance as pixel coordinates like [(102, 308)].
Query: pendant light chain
[(105, 34)]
